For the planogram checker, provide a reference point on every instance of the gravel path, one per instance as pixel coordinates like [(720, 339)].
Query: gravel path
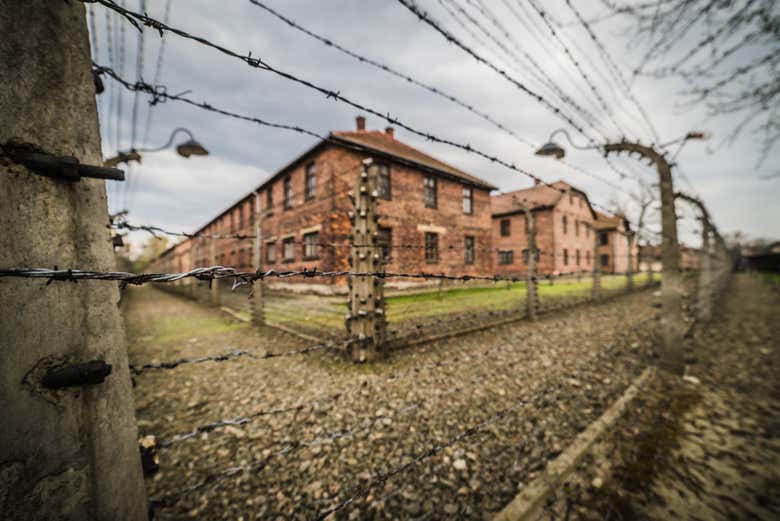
[(538, 385), (706, 448)]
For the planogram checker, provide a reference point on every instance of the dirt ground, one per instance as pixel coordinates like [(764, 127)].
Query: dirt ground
[(707, 447), (348, 423)]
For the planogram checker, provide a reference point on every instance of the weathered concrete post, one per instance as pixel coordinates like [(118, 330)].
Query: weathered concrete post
[(630, 269), (366, 323), (596, 290), (532, 295), (71, 452), (672, 326), (213, 283), (704, 290), (258, 313)]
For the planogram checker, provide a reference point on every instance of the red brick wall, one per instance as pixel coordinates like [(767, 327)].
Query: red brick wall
[(405, 214), (577, 237), (517, 241)]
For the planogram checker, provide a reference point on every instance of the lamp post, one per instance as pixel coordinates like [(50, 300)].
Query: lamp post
[(191, 147), (671, 285)]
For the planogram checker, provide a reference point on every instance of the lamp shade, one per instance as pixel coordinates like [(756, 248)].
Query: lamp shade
[(551, 149), (191, 148)]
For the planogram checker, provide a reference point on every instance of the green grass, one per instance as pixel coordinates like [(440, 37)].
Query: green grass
[(174, 329), (453, 300)]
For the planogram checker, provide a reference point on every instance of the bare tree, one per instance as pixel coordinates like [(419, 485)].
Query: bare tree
[(727, 52)]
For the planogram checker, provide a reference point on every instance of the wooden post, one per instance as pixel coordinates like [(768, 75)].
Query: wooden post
[(214, 283), (532, 295), (256, 303), (596, 291), (366, 322), (68, 448)]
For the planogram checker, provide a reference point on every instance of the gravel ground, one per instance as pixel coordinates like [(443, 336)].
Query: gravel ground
[(537, 385), (706, 447)]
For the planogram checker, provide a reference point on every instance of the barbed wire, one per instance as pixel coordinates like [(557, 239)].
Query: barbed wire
[(159, 93), (157, 71), (404, 76), (535, 69), (544, 15), (424, 17), (173, 364), (614, 69), (220, 272), (331, 94)]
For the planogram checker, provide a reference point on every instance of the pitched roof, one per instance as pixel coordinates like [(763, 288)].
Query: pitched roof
[(388, 145), (539, 196), (608, 222)]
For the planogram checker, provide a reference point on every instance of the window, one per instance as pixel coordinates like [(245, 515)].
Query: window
[(577, 228), (431, 247), (383, 182), (468, 200), (577, 257), (571, 198), (506, 257), (587, 258), (270, 252), (565, 225), (311, 245), (603, 238), (287, 202), (385, 241), (468, 250), (505, 227), (525, 255), (241, 216), (565, 257), (429, 191), (311, 181), (232, 223), (288, 249), (605, 260), (269, 200)]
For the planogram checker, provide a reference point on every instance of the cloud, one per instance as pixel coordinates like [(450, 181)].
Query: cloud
[(177, 192)]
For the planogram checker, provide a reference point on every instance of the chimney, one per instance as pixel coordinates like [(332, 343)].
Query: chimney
[(361, 123), (390, 131)]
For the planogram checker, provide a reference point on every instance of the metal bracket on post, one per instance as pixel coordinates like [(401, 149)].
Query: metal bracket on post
[(67, 168), (365, 321), (74, 375)]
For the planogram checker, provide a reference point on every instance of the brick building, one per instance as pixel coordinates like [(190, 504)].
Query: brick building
[(615, 235), (433, 216), (563, 217)]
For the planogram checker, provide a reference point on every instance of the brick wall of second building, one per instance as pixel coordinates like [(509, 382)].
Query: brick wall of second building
[(573, 237)]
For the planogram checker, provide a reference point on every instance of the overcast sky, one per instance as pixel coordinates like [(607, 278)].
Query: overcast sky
[(181, 194)]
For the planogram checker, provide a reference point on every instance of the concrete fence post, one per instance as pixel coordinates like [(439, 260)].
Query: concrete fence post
[(366, 322), (256, 259), (68, 446), (596, 291), (630, 269), (671, 320), (213, 283), (532, 295)]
